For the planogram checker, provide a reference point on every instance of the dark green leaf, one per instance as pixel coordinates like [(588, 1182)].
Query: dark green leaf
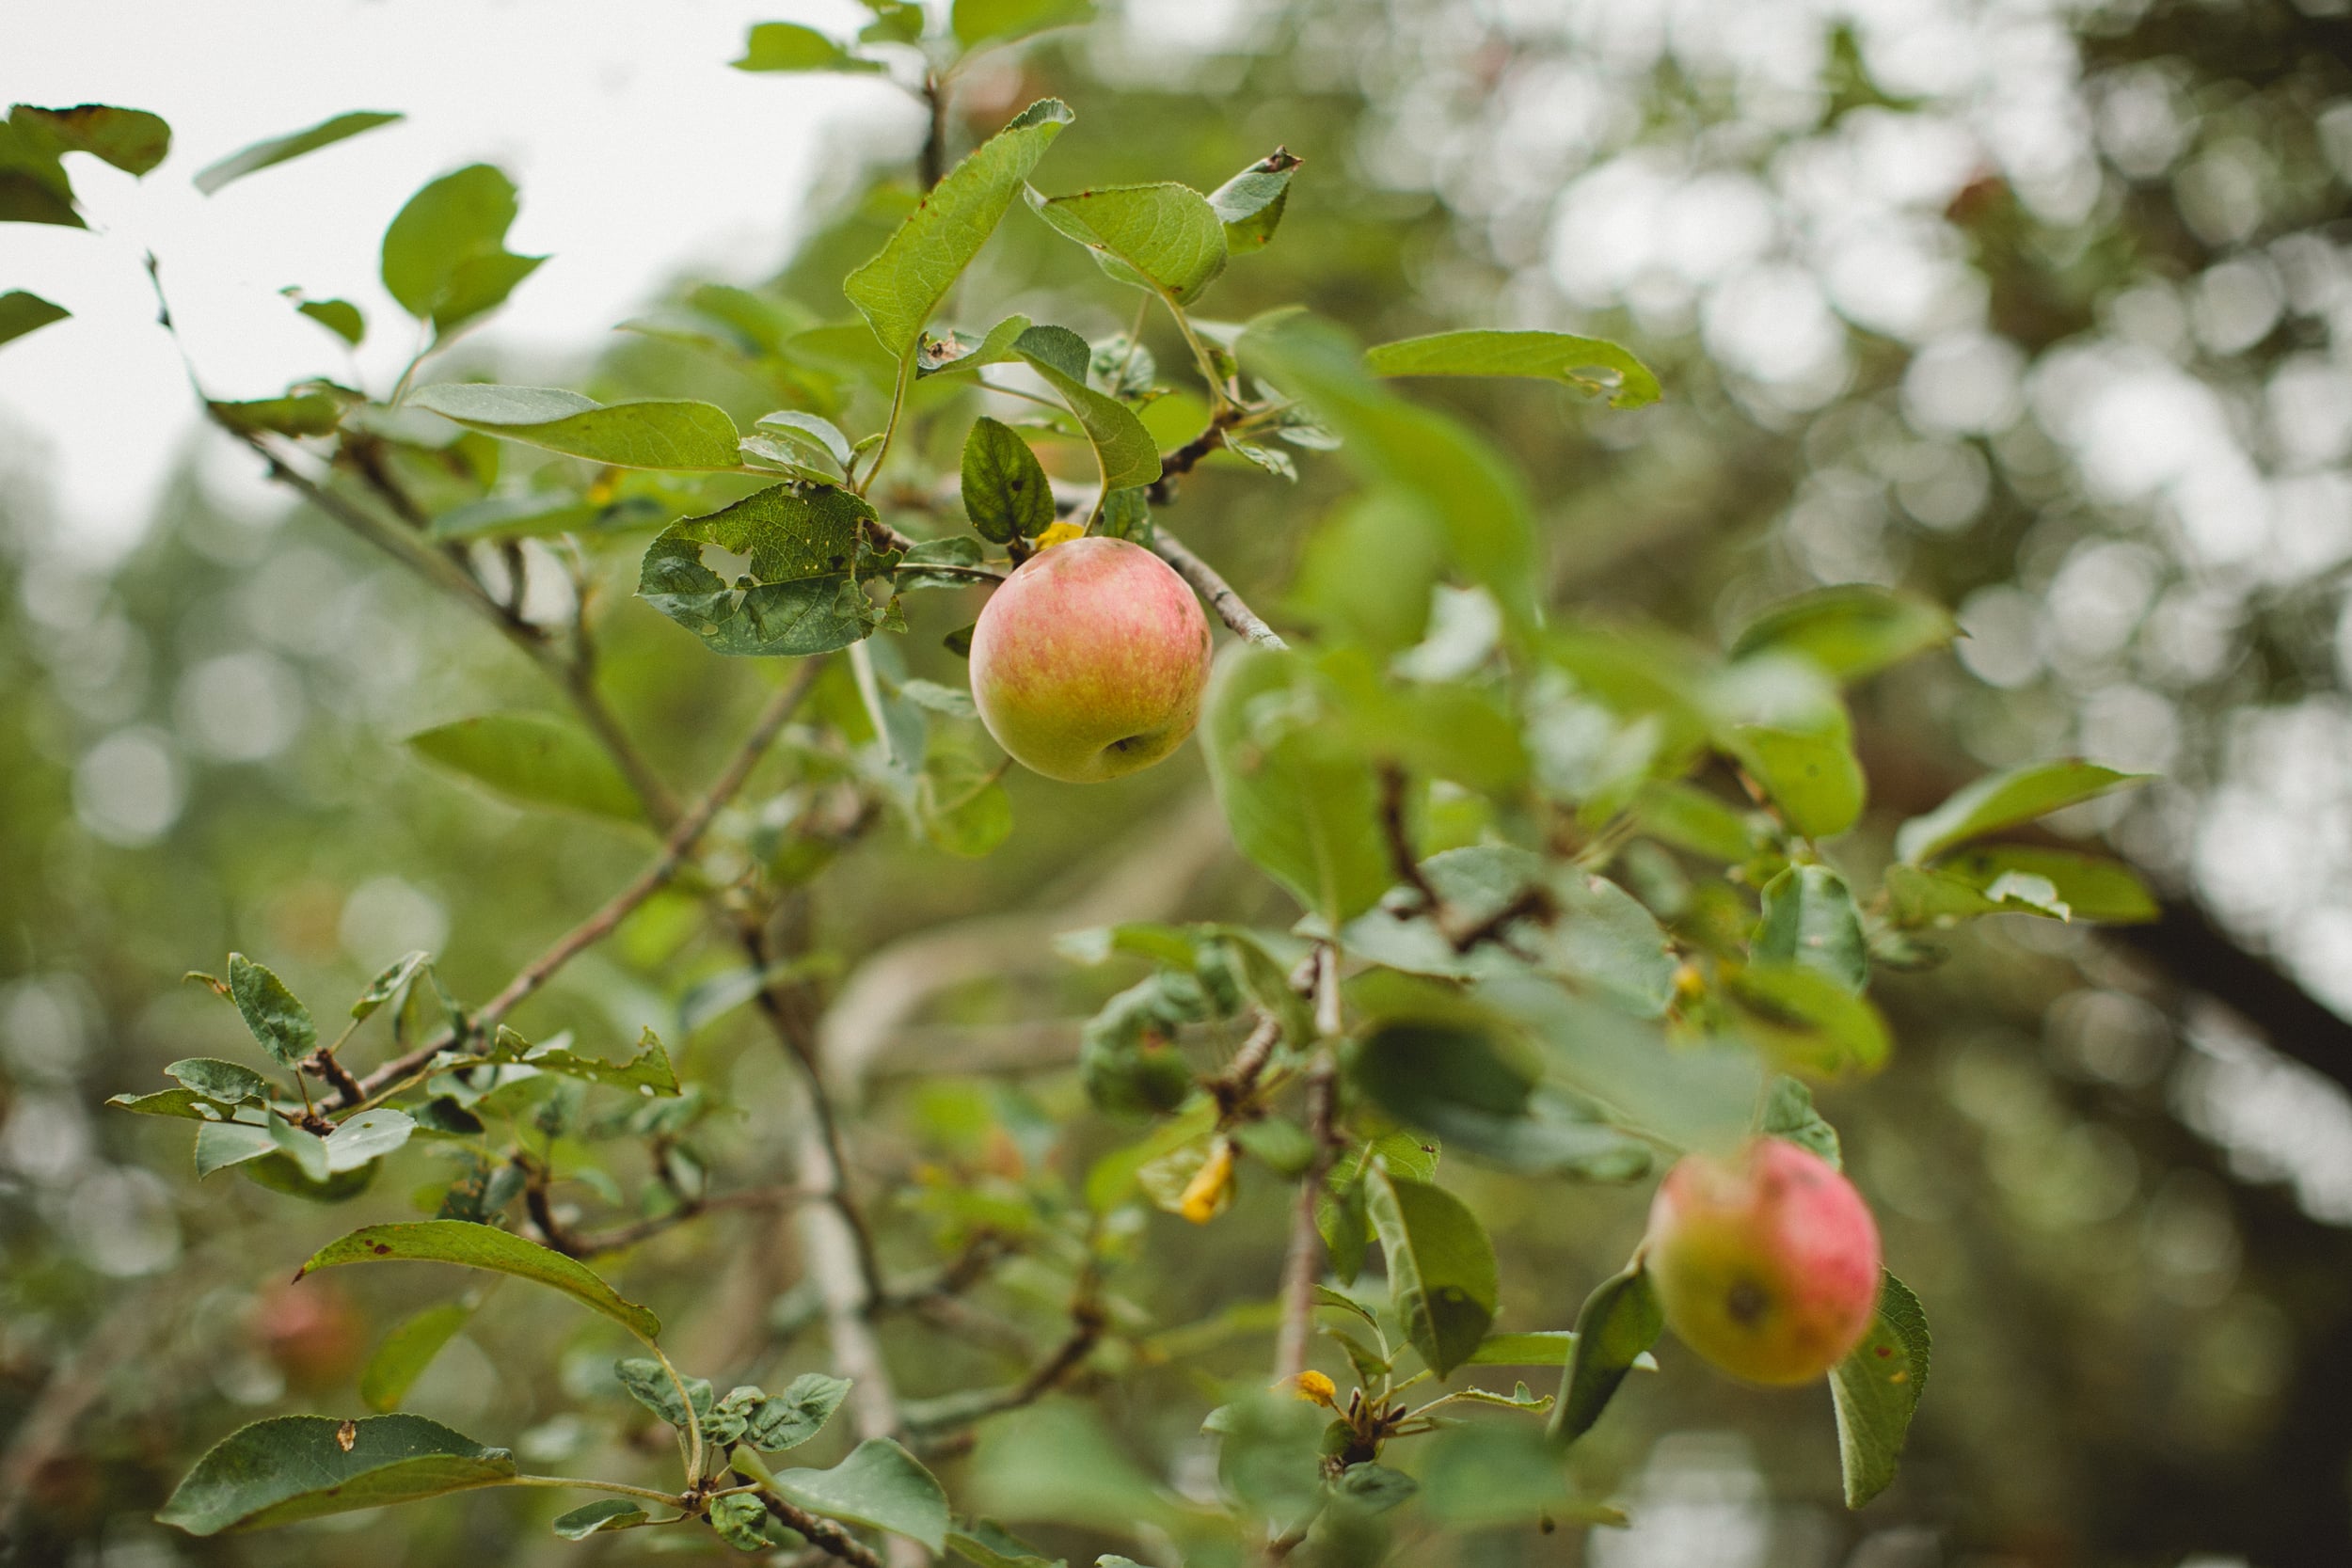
[(278, 150), (796, 591), (297, 414), (132, 140), (1006, 493), (1809, 1021), (1441, 1266), (1250, 203), (445, 256), (1850, 630), (279, 1173), (773, 1422), (648, 1071), (1301, 800), (593, 1518), (961, 354), (1789, 1113), (339, 316), (2088, 887), (186, 1104), (2003, 801), (1496, 1473), (650, 1386), (271, 1012), (407, 1350), (1691, 1094), (1877, 1389), (480, 1247), (1126, 515), (1617, 1325), (292, 1467), (1125, 451), (21, 313), (989, 1544), (788, 46), (222, 1083), (1465, 1087), (1810, 922), (533, 759), (1374, 1487), (897, 291), (1546, 355), (678, 436), (1162, 237), (979, 22), (388, 984), (880, 1484)]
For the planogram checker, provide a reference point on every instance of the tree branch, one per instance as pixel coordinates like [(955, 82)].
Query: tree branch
[(1229, 606), (823, 1535), (1303, 1261)]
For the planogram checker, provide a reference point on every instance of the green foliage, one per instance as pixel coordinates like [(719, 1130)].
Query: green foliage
[(1877, 1389), (788, 46), (684, 436), (533, 759), (589, 1519), (273, 1014), (800, 589), (34, 185), (1546, 355), (482, 1246), (1165, 238), (1441, 1266), (407, 1350), (979, 23), (1122, 448), (292, 1467), (278, 150), (1614, 1329), (22, 312), (2004, 800), (880, 1484), (445, 256), (1006, 494)]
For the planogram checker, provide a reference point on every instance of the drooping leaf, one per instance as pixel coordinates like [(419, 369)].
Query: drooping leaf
[(1125, 451), (793, 557), (1004, 489), (880, 1484), (292, 1467), (1162, 237), (1475, 495), (1250, 203), (533, 759), (1810, 922), (408, 1349), (1877, 1389), (271, 1012), (445, 256), (1618, 1323), (979, 22), (483, 1247), (22, 312), (1441, 1266), (593, 1518), (278, 150), (897, 291), (1852, 629), (789, 46), (2005, 799), (1546, 355), (1302, 802), (678, 436)]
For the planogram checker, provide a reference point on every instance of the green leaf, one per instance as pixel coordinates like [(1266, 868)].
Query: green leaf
[(1475, 497), (979, 22), (773, 1422), (962, 804), (480, 1246), (744, 1522), (368, 1136), (1495, 1473), (1811, 775), (222, 1083), (1250, 203), (1441, 1266), (1006, 493), (1549, 1347), (961, 354), (1694, 1094), (2088, 887), (1545, 356), (1877, 1389), (880, 1484), (280, 1173), (897, 291), (1808, 1021), (1615, 1330), (989, 1544), (2003, 801), (1302, 802), (789, 46), (407, 1350), (1850, 630), (292, 1467), (811, 431), (1125, 451), (533, 759), (796, 594), (278, 150), (222, 1144), (339, 316), (445, 256), (132, 140), (1605, 939), (1162, 237), (594, 1518), (1789, 1113), (306, 1148), (895, 21), (390, 983), (1810, 922), (1464, 1085), (186, 1104), (648, 1071), (539, 514), (22, 312), (676, 436), (1691, 819), (297, 414), (1054, 1462), (649, 1384), (271, 1012)]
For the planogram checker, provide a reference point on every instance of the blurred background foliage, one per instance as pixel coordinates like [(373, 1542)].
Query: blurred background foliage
[(2044, 310)]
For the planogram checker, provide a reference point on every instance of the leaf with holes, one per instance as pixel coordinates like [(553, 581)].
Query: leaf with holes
[(794, 555)]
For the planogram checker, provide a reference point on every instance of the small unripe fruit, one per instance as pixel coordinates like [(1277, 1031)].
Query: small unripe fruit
[(1765, 1263), (1088, 662)]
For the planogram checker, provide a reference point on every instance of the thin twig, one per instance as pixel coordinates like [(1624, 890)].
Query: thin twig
[(1304, 1261), (823, 1535), (1402, 858), (622, 1237), (1230, 608)]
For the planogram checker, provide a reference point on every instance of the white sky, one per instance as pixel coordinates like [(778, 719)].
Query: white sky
[(638, 152)]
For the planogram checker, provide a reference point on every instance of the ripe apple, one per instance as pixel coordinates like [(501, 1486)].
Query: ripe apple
[(1088, 662), (1766, 1263)]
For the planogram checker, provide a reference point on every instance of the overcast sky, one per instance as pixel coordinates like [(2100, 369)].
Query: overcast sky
[(638, 152)]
